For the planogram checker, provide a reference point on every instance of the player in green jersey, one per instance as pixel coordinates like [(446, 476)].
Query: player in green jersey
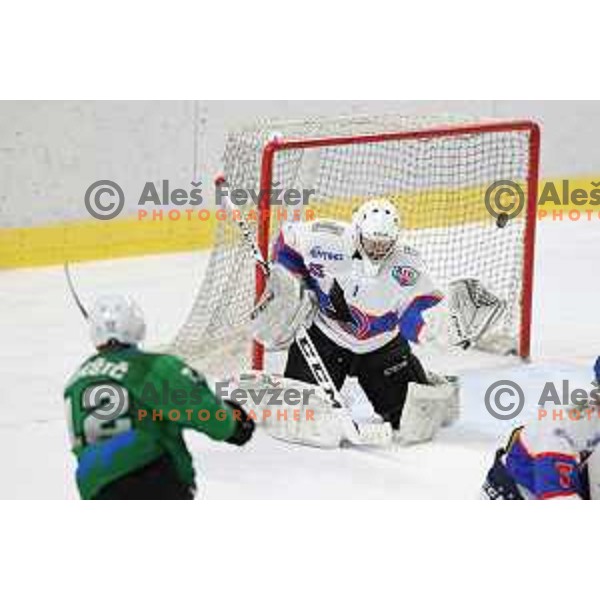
[(127, 409)]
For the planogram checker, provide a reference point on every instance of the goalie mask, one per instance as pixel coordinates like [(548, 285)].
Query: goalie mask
[(376, 229), (116, 319)]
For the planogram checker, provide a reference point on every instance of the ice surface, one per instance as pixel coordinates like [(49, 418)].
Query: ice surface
[(44, 340)]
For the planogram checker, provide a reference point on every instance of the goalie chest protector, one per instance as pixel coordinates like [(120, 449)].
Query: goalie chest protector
[(383, 299)]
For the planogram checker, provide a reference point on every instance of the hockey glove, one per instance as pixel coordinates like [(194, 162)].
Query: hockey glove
[(245, 426)]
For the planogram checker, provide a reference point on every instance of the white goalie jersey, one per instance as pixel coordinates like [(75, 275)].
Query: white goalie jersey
[(361, 306)]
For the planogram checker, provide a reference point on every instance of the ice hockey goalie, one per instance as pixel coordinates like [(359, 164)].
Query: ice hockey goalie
[(363, 296)]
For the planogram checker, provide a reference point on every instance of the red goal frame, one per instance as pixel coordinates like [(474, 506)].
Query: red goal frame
[(276, 145)]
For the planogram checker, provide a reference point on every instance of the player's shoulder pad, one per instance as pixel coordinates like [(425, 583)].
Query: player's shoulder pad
[(404, 254), (329, 227), (548, 467), (408, 250), (77, 373), (545, 435), (301, 235), (293, 231), (170, 365)]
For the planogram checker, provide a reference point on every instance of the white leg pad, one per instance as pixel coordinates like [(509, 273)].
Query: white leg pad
[(427, 408), (316, 423)]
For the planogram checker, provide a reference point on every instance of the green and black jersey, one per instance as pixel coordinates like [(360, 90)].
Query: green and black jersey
[(126, 408)]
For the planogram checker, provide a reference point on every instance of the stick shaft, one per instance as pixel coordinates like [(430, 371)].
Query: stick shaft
[(74, 293), (305, 343)]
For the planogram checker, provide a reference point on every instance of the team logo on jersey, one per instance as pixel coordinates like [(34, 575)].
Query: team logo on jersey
[(318, 252), (406, 276)]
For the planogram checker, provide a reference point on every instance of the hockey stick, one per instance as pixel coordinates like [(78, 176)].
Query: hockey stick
[(355, 433), (305, 344), (74, 293)]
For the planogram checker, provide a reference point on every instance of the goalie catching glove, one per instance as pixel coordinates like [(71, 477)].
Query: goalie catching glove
[(285, 306), (471, 314)]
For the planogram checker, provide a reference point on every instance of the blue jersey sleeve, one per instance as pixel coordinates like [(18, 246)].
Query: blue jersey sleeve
[(544, 475)]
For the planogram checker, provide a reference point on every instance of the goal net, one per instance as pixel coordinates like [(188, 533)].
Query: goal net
[(437, 172)]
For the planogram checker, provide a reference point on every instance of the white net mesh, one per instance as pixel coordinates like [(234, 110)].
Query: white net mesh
[(438, 183)]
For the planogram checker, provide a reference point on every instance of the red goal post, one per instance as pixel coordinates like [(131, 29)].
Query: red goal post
[(279, 145)]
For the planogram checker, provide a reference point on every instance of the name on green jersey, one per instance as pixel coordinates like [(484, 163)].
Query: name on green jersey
[(101, 366)]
